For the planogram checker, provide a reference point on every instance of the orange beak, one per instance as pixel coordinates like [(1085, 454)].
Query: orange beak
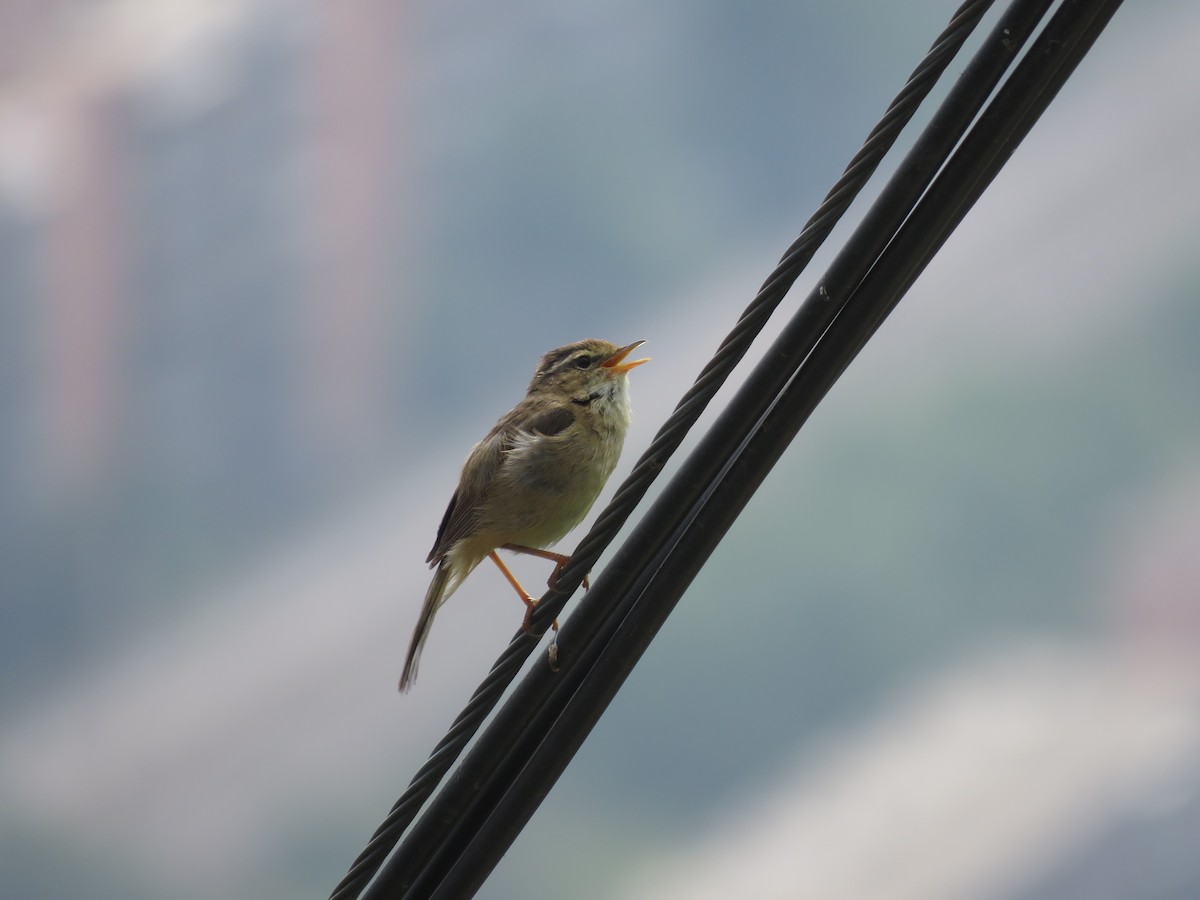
[(614, 362)]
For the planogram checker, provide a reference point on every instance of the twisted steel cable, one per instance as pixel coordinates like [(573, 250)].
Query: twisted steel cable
[(731, 351)]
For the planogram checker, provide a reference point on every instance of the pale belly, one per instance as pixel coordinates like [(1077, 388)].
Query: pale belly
[(548, 489)]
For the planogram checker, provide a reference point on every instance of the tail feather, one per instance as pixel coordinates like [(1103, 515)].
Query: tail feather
[(434, 598)]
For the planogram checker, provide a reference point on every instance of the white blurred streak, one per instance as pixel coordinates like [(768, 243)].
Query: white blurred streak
[(1099, 198), (965, 786), (168, 45), (178, 50)]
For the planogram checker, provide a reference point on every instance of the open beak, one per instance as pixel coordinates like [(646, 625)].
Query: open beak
[(615, 363)]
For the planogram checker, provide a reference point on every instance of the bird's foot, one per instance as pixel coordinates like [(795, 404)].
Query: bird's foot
[(552, 581), (527, 624)]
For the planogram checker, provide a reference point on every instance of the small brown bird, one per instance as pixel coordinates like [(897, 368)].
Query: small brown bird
[(534, 476)]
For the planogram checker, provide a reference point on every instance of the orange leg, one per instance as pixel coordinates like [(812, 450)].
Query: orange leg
[(529, 602), (560, 562)]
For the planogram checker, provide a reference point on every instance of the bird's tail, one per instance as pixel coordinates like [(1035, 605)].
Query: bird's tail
[(434, 598)]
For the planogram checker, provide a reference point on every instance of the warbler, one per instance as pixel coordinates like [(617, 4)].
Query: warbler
[(535, 476)]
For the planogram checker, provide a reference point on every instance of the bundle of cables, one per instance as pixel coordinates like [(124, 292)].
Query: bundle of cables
[(1018, 68)]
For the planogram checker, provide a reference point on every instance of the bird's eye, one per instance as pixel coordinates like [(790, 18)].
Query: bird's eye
[(583, 362)]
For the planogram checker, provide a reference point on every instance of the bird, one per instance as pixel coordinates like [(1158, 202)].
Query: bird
[(534, 476)]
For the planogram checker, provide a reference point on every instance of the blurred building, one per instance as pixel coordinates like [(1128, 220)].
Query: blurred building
[(196, 211)]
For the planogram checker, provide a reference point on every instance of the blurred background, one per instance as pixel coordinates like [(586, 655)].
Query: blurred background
[(267, 270)]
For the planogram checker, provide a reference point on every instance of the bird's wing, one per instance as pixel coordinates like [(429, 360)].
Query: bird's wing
[(550, 422), (485, 459), (463, 509)]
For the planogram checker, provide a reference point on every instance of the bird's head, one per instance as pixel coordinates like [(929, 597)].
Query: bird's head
[(585, 370)]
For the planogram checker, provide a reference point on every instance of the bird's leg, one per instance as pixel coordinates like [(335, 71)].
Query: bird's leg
[(530, 602), (560, 562)]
